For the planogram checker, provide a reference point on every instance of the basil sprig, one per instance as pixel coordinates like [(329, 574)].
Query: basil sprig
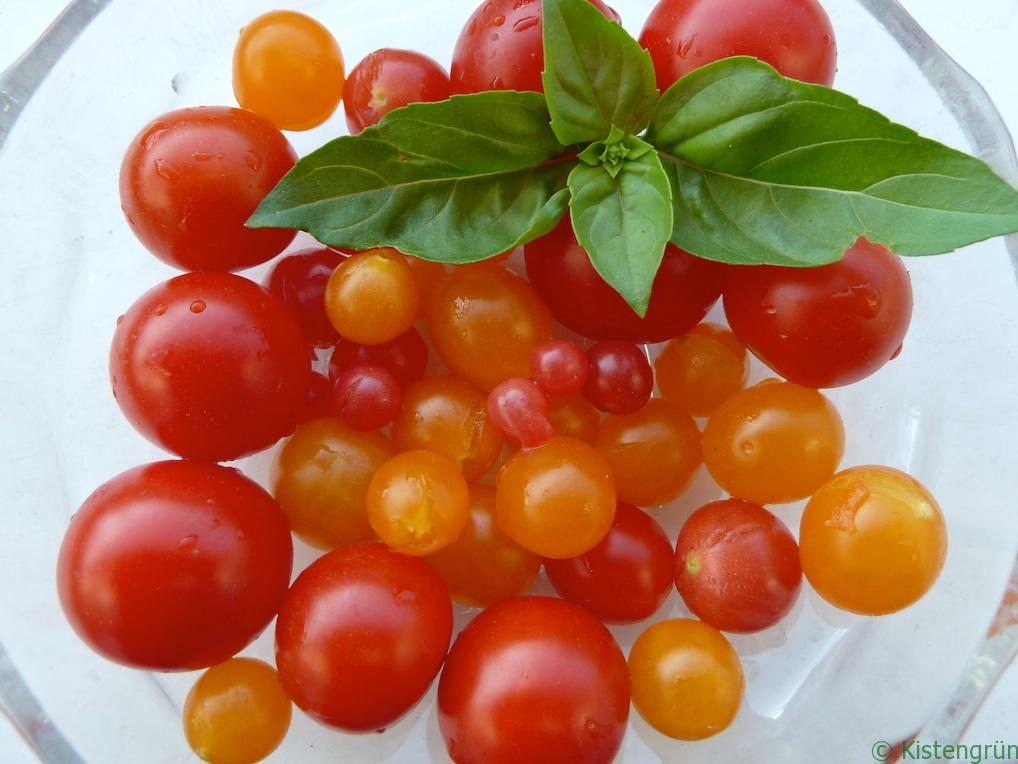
[(733, 163)]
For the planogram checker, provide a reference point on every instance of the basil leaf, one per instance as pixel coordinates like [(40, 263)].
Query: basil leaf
[(624, 222), (454, 181), (766, 169), (595, 74)]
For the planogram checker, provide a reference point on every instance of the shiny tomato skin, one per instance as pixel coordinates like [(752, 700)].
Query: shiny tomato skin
[(361, 634), (191, 179), (737, 566), (390, 78), (534, 679), (500, 47), (210, 366), (174, 566), (828, 326), (793, 36), (685, 289), (405, 357), (299, 280)]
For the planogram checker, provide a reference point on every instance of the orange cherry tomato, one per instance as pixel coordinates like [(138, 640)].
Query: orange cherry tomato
[(288, 68), (557, 500), (575, 416), (448, 416), (484, 565), (418, 502), (237, 712), (486, 323), (320, 478), (687, 682), (872, 540), (702, 369), (430, 277), (652, 452), (373, 297), (772, 443)]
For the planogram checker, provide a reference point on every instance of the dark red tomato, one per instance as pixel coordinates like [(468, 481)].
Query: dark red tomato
[(620, 379), (360, 636), (174, 566), (500, 47), (299, 281), (390, 78), (626, 577), (560, 367), (191, 179), (685, 289), (366, 397), (793, 36), (319, 399), (210, 366), (519, 409), (534, 679), (405, 357), (737, 566), (828, 326)]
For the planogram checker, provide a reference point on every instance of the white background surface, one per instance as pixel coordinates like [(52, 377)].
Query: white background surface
[(980, 34)]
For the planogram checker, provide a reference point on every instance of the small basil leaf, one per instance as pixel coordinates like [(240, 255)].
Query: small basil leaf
[(766, 169), (624, 223), (595, 74), (455, 181)]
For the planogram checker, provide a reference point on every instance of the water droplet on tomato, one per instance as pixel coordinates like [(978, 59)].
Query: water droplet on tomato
[(497, 84), (202, 156), (747, 447), (827, 40), (685, 47), (188, 544), (198, 306), (159, 310), (215, 523), (527, 22), (495, 36), (498, 21), (897, 352), (252, 160), (770, 310), (164, 169), (120, 319)]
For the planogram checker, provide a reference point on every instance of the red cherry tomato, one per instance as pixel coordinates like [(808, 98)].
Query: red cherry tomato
[(560, 367), (828, 326), (319, 400), (390, 78), (174, 566), (519, 409), (621, 379), (191, 179), (500, 47), (737, 566), (360, 636), (210, 366), (684, 290), (793, 36), (366, 397), (534, 679), (299, 281), (405, 357), (626, 577)]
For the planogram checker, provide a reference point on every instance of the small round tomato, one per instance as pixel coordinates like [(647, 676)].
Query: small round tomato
[(299, 280), (430, 277), (702, 368), (534, 679), (372, 297), (626, 577), (687, 665), (237, 712), (390, 78), (320, 478), (873, 540), (620, 379), (486, 323), (793, 36), (174, 566), (448, 416), (653, 453), (288, 68), (418, 502), (366, 397), (210, 366), (737, 566), (773, 443), (519, 409), (319, 400), (484, 565), (685, 288), (557, 500), (191, 179), (828, 326), (575, 416), (361, 634), (560, 367), (500, 48), (405, 357)]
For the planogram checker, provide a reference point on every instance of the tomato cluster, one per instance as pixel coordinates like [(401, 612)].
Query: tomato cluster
[(441, 443)]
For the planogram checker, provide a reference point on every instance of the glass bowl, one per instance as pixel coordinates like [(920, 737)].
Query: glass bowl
[(822, 685)]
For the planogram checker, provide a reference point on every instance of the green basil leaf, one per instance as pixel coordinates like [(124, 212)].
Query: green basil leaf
[(454, 181), (624, 222), (595, 74), (766, 169)]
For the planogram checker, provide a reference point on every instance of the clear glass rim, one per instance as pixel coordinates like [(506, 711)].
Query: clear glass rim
[(964, 96)]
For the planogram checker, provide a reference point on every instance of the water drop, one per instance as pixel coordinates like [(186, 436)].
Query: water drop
[(495, 36), (202, 156), (685, 46), (747, 447), (159, 310), (827, 40), (188, 544), (198, 306), (498, 21), (497, 84), (527, 22), (120, 319), (215, 523), (252, 160), (164, 169), (897, 352)]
